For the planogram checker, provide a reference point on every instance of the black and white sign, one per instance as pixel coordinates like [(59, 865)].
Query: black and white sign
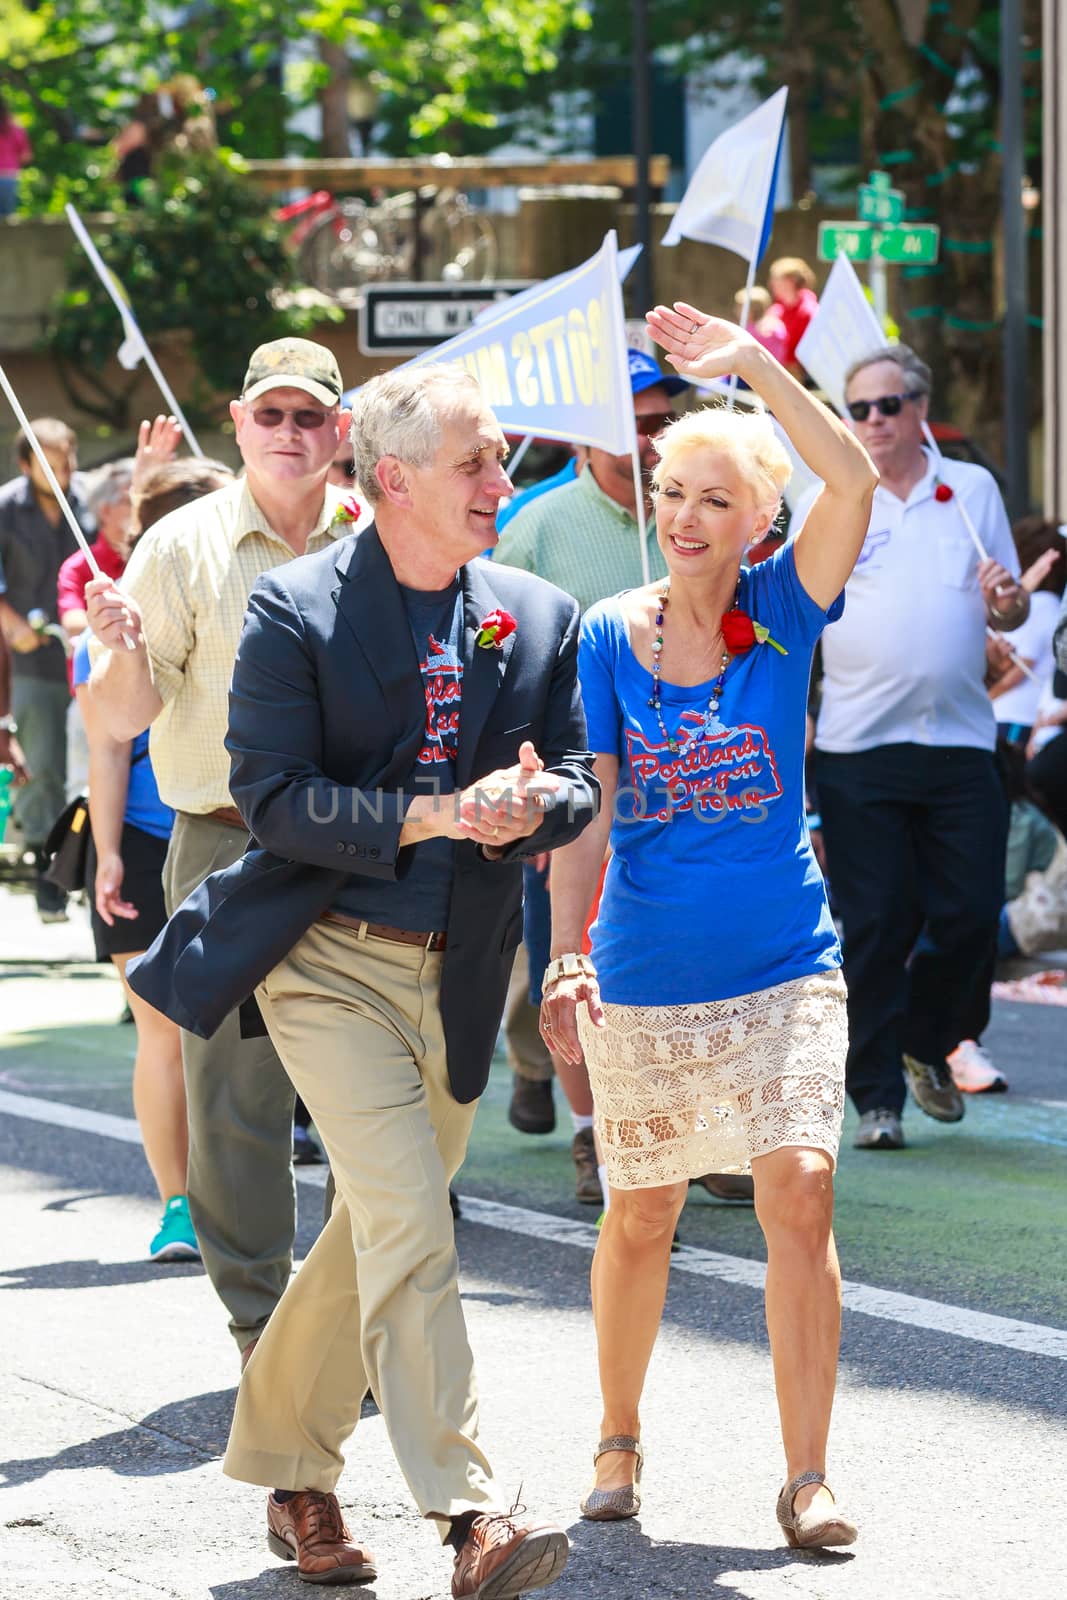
[(402, 319)]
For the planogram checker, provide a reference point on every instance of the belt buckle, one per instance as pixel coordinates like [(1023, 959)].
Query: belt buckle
[(430, 937)]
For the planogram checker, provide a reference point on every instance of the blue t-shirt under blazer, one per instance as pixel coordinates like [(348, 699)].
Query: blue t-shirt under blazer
[(712, 890)]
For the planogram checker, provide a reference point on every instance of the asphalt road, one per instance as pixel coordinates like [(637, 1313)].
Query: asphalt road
[(949, 1434)]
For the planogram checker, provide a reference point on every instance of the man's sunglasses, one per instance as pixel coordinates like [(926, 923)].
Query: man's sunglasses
[(653, 422), (889, 405), (273, 417)]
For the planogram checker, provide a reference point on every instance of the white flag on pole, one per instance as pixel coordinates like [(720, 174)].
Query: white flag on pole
[(843, 330), (730, 198), (134, 346)]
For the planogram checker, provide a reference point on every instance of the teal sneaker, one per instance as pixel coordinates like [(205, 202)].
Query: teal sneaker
[(175, 1240)]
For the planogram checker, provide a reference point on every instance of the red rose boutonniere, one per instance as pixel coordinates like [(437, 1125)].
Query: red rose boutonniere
[(740, 633), (349, 510), (942, 492), (494, 629)]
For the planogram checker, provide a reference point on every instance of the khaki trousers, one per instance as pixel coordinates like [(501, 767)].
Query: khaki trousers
[(376, 1304), (241, 1194)]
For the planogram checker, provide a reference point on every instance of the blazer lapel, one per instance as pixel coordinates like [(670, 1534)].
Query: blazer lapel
[(368, 599), (483, 669)]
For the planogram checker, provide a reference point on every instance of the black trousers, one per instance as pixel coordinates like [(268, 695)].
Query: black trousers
[(915, 841)]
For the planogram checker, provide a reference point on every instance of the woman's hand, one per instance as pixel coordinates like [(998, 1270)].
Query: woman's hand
[(700, 346), (559, 1015), (109, 901)]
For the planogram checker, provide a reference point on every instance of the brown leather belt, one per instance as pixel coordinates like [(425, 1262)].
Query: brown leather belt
[(229, 816), (381, 930)]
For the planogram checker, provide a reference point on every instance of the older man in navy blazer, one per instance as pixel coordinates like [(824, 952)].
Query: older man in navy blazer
[(405, 727)]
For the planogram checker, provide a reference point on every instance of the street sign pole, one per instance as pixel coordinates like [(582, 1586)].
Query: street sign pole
[(879, 236), (879, 288)]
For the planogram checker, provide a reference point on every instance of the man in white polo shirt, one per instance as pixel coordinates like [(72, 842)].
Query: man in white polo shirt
[(914, 813)]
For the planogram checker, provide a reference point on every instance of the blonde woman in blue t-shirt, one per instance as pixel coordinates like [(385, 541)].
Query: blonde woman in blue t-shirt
[(712, 1012)]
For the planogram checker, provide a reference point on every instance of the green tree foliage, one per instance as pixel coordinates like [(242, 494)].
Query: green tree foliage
[(199, 258)]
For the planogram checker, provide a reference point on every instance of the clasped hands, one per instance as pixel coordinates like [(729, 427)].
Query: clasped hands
[(494, 812)]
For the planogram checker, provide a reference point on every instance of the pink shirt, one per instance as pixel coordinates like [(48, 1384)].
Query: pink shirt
[(14, 148)]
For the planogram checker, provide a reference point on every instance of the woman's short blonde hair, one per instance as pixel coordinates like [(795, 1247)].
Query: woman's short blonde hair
[(747, 437)]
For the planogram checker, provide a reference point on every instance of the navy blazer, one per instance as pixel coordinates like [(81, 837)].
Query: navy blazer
[(327, 713)]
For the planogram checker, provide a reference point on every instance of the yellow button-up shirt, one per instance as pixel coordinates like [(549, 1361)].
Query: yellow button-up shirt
[(191, 574)]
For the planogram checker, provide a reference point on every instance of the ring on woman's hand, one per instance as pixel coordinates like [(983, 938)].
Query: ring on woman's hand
[(695, 328)]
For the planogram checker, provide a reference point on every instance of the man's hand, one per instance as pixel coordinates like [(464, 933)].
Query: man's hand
[(1005, 599), (109, 901), (157, 442), (114, 617), (11, 756), (507, 805)]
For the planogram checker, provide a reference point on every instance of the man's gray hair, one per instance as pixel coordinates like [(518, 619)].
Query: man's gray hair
[(918, 374), (397, 414), (107, 484)]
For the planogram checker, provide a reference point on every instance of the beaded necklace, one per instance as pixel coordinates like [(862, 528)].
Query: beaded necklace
[(710, 723)]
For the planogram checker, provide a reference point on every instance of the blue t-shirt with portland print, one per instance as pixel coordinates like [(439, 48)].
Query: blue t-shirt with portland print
[(712, 889)]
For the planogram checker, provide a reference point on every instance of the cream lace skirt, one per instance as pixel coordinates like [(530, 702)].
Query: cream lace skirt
[(684, 1090)]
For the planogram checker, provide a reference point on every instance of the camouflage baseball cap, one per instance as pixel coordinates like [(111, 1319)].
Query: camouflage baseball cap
[(293, 364)]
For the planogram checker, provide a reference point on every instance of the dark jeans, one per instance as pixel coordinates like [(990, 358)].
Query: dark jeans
[(1046, 779), (915, 840)]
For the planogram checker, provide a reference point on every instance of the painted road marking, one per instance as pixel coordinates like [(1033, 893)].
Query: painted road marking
[(889, 1305)]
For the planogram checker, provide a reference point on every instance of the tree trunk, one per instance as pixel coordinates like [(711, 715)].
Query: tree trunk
[(332, 100), (798, 69)]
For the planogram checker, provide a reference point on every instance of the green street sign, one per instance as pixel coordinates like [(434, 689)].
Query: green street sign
[(914, 245), (851, 239), (880, 205)]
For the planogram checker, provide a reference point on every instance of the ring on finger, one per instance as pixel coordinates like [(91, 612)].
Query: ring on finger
[(695, 328)]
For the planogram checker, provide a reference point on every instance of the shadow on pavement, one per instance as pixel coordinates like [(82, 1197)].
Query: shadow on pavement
[(617, 1558), (93, 1274), (176, 1438)]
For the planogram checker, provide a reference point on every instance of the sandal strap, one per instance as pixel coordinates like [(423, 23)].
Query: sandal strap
[(618, 1441), (790, 1492)]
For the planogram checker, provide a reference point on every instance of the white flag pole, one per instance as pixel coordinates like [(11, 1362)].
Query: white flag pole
[(618, 329), (513, 463), (53, 483), (1016, 658), (753, 260), (130, 325), (965, 515)]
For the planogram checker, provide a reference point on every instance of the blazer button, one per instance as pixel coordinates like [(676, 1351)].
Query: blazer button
[(352, 849), (340, 847), (374, 852)]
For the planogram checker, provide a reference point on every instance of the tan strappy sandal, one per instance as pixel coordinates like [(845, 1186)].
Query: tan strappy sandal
[(816, 1528), (613, 1505)]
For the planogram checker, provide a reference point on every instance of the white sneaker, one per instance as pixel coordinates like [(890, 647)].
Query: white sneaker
[(972, 1070)]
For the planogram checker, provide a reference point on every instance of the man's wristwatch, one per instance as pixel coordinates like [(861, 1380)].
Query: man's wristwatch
[(8, 724)]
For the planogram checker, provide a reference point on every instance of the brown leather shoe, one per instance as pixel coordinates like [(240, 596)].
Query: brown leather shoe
[(502, 1558), (310, 1530), (586, 1177), (736, 1186)]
